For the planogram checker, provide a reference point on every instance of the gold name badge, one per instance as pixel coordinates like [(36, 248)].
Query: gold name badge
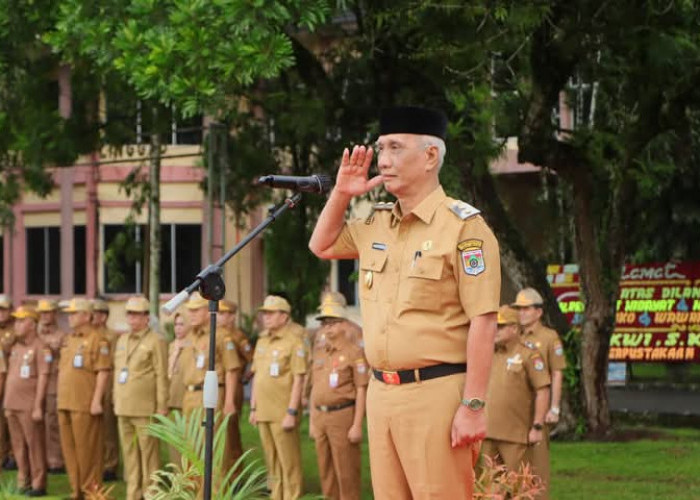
[(369, 279)]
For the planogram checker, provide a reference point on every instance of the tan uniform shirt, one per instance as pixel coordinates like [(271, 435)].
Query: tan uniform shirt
[(279, 356), (548, 343), (243, 347), (176, 389), (53, 340), (140, 374), (84, 353), (338, 369), (195, 356), (422, 278), (516, 374), (3, 364), (26, 362)]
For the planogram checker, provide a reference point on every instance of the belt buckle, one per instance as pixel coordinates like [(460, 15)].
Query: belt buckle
[(190, 388), (391, 378), (323, 408)]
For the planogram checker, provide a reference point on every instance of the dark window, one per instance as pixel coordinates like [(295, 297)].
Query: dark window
[(347, 280), (79, 261), (123, 256), (43, 260)]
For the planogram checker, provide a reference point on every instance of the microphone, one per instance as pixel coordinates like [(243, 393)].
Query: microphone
[(317, 183)]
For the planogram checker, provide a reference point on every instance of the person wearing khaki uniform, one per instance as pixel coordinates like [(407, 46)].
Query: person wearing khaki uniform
[(176, 386), (83, 373), (195, 362), (339, 379), (52, 337), (140, 391), (279, 365), (429, 292), (100, 314), (226, 321), (7, 338), (518, 396), (529, 304), (27, 377)]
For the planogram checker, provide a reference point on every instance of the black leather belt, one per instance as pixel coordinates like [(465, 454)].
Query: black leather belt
[(408, 376), (197, 387), (327, 408)]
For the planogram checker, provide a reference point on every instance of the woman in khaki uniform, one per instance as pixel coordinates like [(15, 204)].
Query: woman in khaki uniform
[(279, 365), (140, 391), (339, 378), (84, 371), (27, 377), (518, 396), (53, 339)]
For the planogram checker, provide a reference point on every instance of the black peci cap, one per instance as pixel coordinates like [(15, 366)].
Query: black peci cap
[(413, 120)]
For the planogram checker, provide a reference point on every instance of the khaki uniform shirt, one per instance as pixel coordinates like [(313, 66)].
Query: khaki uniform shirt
[(338, 369), (76, 384), (176, 389), (143, 391), (7, 336), (111, 337), (243, 347), (195, 356), (423, 276), (547, 342), (53, 339), (26, 362), (279, 356), (516, 374)]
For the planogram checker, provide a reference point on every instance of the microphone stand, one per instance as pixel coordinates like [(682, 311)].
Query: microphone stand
[(211, 285)]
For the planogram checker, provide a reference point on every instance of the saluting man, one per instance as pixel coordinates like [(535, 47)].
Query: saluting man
[(338, 388), (140, 391), (518, 396), (279, 365), (52, 336), (430, 287), (83, 374), (27, 377), (529, 304), (100, 314)]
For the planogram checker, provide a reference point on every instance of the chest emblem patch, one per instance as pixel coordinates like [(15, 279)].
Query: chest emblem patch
[(472, 256)]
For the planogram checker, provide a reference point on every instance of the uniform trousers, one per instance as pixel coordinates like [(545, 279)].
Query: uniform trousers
[(82, 443), (339, 460), (27, 438), (54, 456), (111, 436), (233, 447), (410, 450), (5, 445), (539, 458), (282, 450), (173, 454), (141, 455), (512, 455)]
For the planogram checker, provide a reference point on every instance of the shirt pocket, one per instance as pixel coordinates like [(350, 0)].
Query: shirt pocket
[(423, 287), (140, 360), (371, 274)]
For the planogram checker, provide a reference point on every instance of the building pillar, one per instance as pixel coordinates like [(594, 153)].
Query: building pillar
[(92, 228), (66, 176)]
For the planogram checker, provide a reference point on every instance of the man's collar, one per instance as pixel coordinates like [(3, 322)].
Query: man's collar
[(426, 209), (139, 333)]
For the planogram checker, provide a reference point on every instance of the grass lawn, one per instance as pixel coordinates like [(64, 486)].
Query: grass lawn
[(664, 466)]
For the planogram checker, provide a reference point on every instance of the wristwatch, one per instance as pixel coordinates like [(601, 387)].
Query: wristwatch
[(474, 404), (537, 426), (555, 410), (292, 412)]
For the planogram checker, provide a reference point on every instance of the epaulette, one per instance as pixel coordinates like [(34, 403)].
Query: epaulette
[(464, 210)]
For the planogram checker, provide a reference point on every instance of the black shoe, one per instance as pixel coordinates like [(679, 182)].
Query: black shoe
[(37, 493), (109, 475), (56, 470), (9, 464)]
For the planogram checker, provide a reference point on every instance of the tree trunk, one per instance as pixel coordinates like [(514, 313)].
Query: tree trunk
[(154, 221)]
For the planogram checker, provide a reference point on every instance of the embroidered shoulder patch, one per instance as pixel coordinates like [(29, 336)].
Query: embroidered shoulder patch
[(464, 210), (559, 350), (472, 256)]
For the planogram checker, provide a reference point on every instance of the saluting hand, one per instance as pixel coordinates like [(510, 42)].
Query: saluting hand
[(352, 175), (468, 427)]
